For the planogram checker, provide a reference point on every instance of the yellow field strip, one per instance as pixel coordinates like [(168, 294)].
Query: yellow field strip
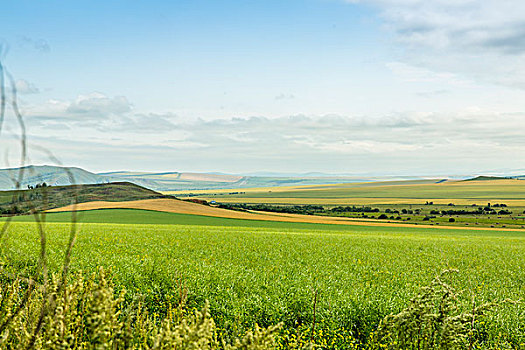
[(181, 207), (277, 189), (508, 191)]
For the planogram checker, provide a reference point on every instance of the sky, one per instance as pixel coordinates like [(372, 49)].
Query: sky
[(379, 87)]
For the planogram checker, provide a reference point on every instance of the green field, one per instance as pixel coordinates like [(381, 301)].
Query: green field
[(411, 192), (415, 202), (136, 216), (267, 272)]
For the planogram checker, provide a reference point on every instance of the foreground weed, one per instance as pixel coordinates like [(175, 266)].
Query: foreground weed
[(433, 320), (88, 314)]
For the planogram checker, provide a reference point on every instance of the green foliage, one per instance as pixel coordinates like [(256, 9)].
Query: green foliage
[(88, 314), (433, 320), (292, 209)]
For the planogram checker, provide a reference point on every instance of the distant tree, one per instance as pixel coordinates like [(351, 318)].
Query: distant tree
[(451, 220)]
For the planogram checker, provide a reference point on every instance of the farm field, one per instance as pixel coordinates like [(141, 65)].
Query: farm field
[(481, 202), (137, 216), (267, 272), (400, 192), (169, 205)]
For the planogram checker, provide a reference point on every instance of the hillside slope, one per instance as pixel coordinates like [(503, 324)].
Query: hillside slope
[(22, 201), (165, 181)]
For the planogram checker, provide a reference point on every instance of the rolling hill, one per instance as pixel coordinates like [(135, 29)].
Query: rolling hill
[(51, 175), (183, 181), (44, 198), (164, 181), (175, 181)]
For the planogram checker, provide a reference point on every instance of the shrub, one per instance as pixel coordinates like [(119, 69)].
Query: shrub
[(451, 220), (432, 320)]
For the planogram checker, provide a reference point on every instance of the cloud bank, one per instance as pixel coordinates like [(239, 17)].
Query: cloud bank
[(483, 40), (104, 133)]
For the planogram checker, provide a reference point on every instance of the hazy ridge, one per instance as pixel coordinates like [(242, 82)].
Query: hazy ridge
[(173, 181)]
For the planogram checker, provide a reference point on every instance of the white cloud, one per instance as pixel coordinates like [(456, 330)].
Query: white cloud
[(473, 139), (424, 144), (25, 88), (97, 104), (414, 74), (482, 40)]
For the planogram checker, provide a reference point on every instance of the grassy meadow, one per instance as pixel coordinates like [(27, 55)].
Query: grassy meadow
[(268, 272)]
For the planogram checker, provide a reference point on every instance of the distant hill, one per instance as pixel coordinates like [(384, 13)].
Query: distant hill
[(42, 198), (51, 175), (172, 181), (487, 178)]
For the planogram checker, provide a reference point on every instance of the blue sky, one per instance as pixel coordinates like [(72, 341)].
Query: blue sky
[(195, 55), (379, 86)]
